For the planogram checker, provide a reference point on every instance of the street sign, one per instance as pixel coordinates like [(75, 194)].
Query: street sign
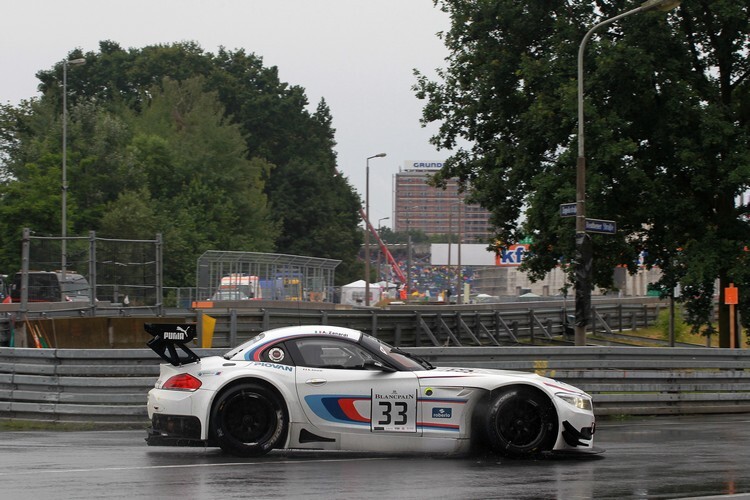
[(568, 209), (601, 226)]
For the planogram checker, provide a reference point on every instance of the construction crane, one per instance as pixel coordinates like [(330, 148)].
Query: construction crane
[(397, 272)]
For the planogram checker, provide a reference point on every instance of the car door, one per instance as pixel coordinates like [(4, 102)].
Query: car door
[(338, 394)]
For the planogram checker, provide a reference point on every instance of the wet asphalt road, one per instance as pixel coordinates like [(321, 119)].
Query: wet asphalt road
[(656, 457)]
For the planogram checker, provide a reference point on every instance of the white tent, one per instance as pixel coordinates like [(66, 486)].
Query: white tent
[(354, 293)]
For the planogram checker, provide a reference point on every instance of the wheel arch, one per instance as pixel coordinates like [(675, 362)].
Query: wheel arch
[(239, 381), (518, 385), (478, 434)]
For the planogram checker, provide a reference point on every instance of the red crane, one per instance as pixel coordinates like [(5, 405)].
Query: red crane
[(394, 265)]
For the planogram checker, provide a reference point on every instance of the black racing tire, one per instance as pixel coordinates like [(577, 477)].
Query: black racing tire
[(249, 420), (520, 422)]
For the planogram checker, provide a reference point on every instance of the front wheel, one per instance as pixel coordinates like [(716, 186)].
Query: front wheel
[(249, 420), (521, 422)]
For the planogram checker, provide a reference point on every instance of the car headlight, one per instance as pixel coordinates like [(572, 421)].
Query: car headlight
[(580, 402)]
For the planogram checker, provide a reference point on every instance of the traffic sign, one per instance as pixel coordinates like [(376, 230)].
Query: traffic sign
[(568, 209), (601, 226)]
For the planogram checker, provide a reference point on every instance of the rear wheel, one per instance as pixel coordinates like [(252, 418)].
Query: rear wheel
[(249, 420), (521, 422)]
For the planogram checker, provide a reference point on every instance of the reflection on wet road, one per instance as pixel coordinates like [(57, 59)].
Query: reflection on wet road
[(656, 457)]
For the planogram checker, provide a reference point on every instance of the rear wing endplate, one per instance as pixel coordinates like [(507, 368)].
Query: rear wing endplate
[(169, 336)]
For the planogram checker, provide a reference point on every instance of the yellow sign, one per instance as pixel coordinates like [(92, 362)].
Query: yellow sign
[(208, 331)]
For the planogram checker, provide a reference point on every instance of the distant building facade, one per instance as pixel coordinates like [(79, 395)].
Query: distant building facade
[(417, 205)]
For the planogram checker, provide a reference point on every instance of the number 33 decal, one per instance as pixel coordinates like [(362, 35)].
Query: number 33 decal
[(387, 410), (393, 411)]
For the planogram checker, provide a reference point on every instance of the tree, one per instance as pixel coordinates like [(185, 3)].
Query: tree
[(222, 156), (667, 134)]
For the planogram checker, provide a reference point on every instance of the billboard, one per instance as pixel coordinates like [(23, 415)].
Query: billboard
[(511, 256), (472, 254), (477, 255)]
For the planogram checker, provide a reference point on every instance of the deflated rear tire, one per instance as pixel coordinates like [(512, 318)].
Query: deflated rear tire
[(249, 420), (520, 422)]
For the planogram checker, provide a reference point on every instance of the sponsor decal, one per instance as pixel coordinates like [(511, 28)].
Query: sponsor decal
[(442, 412), (276, 354), (180, 335), (393, 395), (326, 332), (205, 374), (272, 365)]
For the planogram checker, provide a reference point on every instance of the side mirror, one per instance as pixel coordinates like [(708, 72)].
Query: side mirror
[(371, 364)]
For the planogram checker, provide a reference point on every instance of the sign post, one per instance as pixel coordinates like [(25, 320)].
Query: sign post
[(731, 298)]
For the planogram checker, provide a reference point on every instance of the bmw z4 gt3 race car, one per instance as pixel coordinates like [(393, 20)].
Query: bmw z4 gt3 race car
[(333, 388)]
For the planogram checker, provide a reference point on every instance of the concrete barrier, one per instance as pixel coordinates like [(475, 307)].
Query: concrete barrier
[(109, 386)]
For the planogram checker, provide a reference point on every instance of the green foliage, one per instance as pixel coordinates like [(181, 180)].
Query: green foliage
[(681, 328), (417, 236), (212, 151), (667, 132)]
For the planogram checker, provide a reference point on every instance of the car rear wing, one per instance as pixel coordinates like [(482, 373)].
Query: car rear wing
[(167, 337)]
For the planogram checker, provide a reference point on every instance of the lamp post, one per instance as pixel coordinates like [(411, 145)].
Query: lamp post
[(583, 240), (367, 226), (64, 246)]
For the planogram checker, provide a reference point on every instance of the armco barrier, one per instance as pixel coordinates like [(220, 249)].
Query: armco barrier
[(109, 386)]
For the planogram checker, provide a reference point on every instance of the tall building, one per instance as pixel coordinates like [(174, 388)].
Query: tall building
[(417, 205)]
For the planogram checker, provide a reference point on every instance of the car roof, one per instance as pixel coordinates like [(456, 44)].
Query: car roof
[(322, 330), (257, 344)]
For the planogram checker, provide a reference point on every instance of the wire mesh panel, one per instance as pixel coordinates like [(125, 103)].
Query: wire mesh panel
[(128, 272), (98, 271), (268, 276)]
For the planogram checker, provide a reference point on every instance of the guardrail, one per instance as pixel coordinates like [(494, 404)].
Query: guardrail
[(509, 323), (490, 324), (109, 386)]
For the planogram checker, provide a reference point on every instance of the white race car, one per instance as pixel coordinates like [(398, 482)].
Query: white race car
[(333, 388)]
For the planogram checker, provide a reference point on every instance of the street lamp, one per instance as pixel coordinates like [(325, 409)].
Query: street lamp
[(64, 257), (367, 226), (583, 240)]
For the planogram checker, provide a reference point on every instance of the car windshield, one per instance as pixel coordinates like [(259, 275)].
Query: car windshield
[(402, 359)]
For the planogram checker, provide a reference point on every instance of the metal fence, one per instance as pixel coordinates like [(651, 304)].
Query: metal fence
[(497, 325), (409, 325), (109, 386), (111, 271), (224, 275)]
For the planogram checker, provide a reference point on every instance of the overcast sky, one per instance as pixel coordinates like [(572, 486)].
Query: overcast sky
[(357, 54)]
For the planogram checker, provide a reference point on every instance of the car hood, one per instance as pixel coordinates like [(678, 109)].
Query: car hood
[(489, 378)]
